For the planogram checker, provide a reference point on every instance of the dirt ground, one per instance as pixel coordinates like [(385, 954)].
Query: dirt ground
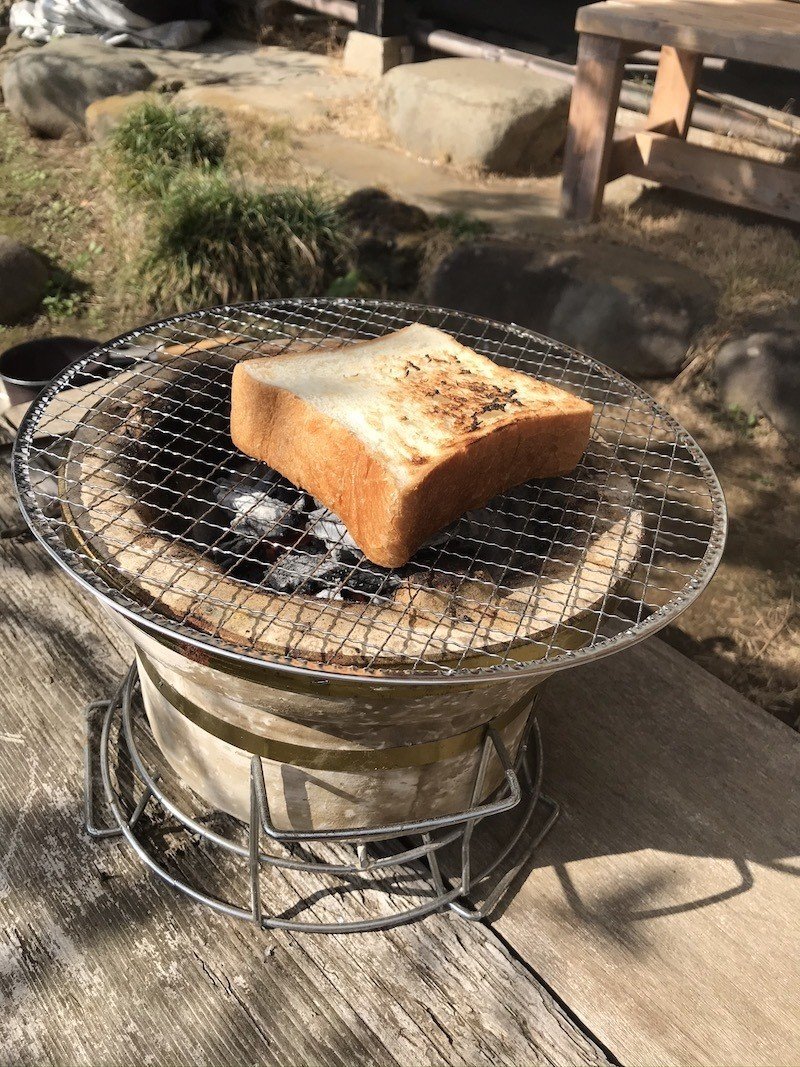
[(746, 628)]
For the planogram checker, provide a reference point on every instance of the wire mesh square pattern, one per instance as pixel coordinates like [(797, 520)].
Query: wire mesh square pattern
[(129, 449)]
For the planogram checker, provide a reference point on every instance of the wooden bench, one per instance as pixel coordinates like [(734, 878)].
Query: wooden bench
[(657, 925), (758, 31)]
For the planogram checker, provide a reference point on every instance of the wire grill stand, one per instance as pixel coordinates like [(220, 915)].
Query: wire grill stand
[(521, 789), (675, 492)]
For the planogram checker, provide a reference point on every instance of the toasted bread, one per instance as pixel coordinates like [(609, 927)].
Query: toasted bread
[(401, 435)]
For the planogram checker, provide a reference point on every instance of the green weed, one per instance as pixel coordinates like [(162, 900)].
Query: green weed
[(155, 141), (736, 418), (212, 240), (461, 227)]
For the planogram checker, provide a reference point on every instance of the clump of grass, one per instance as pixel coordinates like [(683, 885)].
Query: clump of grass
[(213, 240), (155, 141), (460, 226)]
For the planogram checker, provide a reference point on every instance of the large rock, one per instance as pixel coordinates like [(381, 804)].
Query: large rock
[(23, 281), (49, 88), (627, 308), (758, 371), (476, 113)]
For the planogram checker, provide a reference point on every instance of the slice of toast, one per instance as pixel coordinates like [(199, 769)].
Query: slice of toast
[(401, 435)]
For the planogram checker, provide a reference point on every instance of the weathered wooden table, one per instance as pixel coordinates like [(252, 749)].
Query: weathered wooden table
[(658, 924), (756, 31)]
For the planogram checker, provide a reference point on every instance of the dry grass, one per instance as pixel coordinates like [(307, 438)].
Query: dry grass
[(357, 117), (52, 197), (755, 264), (261, 149), (320, 35)]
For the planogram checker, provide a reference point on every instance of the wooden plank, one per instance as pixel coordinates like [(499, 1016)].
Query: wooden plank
[(755, 31), (664, 906), (694, 168), (101, 964), (674, 91), (592, 115)]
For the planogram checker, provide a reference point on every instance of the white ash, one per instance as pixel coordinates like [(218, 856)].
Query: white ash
[(293, 571), (330, 529), (255, 511)]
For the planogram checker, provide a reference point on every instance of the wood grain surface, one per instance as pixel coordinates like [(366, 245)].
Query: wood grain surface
[(756, 31), (99, 963), (704, 171), (664, 906)]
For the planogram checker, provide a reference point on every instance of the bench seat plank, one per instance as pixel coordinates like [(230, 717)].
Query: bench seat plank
[(754, 31)]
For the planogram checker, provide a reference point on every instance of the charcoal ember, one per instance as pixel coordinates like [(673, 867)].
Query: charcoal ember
[(507, 536), (296, 571), (330, 529), (243, 559), (266, 507), (366, 582)]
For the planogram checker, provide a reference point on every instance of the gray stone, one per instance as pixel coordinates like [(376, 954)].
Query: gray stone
[(627, 308), (758, 372), (476, 113), (49, 88), (372, 56), (13, 45), (23, 281)]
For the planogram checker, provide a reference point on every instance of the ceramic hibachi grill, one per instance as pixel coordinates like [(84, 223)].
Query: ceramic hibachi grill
[(294, 706)]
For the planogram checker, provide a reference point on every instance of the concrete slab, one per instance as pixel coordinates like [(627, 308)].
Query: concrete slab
[(372, 56), (240, 76), (510, 206), (226, 60), (303, 100)]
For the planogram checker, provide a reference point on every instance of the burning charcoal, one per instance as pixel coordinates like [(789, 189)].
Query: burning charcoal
[(373, 584), (243, 560), (324, 525), (295, 571), (262, 508), (256, 513), (365, 582)]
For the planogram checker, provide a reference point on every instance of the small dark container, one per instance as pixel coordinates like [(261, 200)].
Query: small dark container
[(27, 368)]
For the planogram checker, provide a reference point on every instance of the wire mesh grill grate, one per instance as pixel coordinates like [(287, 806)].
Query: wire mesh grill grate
[(129, 449)]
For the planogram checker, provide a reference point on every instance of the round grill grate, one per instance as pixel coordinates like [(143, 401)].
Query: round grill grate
[(126, 473)]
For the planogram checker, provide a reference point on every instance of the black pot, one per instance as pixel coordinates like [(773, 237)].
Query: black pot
[(27, 368)]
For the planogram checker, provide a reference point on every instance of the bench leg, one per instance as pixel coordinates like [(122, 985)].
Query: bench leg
[(674, 91), (592, 116)]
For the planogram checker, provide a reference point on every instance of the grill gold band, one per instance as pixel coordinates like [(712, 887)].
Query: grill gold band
[(331, 759)]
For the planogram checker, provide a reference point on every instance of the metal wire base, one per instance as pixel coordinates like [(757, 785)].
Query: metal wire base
[(375, 851)]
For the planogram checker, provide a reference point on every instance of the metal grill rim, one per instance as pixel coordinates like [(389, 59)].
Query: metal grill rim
[(557, 363)]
